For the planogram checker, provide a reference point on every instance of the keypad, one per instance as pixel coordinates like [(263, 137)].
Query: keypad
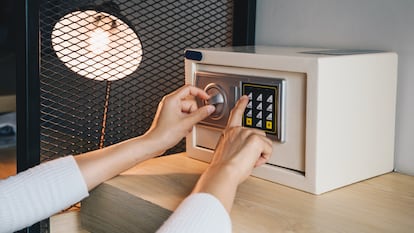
[(260, 111)]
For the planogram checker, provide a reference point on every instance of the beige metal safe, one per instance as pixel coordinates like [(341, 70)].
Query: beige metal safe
[(330, 113)]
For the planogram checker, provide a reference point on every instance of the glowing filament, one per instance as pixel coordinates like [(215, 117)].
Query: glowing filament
[(99, 41)]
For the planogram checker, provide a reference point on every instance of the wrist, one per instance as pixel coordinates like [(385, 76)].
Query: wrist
[(222, 171), (231, 169), (153, 144), (156, 142), (220, 182)]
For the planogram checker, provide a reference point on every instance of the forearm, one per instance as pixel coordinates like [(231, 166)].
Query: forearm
[(215, 181), (100, 165)]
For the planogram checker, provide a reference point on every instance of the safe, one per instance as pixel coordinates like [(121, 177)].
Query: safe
[(330, 113)]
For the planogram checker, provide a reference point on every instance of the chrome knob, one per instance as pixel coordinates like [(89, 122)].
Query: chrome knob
[(218, 99)]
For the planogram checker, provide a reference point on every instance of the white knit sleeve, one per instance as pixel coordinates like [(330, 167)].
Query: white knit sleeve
[(198, 213), (40, 192)]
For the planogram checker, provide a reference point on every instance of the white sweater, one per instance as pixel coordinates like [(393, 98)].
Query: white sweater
[(44, 190)]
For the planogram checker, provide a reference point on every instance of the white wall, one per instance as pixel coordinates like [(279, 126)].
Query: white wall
[(365, 24)]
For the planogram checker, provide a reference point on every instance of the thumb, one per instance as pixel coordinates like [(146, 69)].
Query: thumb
[(200, 114)]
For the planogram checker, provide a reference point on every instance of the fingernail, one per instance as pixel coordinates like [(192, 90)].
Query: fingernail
[(243, 97)]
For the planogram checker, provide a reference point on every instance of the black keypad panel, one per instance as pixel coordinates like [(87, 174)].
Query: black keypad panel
[(261, 111)]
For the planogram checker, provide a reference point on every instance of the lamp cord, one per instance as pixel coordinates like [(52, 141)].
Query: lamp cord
[(102, 139)]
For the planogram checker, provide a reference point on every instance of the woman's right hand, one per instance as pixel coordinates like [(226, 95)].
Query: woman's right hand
[(239, 150)]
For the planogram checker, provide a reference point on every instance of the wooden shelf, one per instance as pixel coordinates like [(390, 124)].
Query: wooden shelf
[(140, 199)]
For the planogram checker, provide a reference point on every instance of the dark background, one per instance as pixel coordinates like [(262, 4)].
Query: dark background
[(7, 48)]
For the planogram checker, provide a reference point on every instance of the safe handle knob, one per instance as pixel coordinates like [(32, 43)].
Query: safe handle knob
[(216, 99)]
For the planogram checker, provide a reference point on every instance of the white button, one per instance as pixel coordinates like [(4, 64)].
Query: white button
[(259, 106), (249, 105), (270, 99), (259, 124), (259, 115), (250, 95), (269, 108), (249, 113), (259, 98), (269, 117)]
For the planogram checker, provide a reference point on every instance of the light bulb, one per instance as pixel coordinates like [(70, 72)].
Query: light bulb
[(98, 41)]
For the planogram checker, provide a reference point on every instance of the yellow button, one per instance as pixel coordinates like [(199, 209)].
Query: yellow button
[(269, 125), (248, 121)]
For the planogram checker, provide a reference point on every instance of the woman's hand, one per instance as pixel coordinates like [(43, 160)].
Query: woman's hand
[(238, 152), (176, 115), (241, 149)]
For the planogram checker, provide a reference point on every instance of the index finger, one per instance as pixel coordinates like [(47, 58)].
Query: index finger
[(236, 114), (188, 90)]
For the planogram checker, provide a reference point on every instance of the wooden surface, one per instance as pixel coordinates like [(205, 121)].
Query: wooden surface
[(7, 162), (7, 155), (7, 103), (67, 222), (153, 189)]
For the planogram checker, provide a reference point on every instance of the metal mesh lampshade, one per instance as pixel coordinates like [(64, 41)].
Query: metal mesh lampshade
[(97, 45)]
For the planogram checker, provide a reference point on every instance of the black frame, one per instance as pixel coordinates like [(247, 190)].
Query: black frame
[(27, 88), (244, 27), (28, 83)]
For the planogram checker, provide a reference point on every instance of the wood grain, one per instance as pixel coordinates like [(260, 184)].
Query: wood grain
[(67, 222), (7, 162)]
